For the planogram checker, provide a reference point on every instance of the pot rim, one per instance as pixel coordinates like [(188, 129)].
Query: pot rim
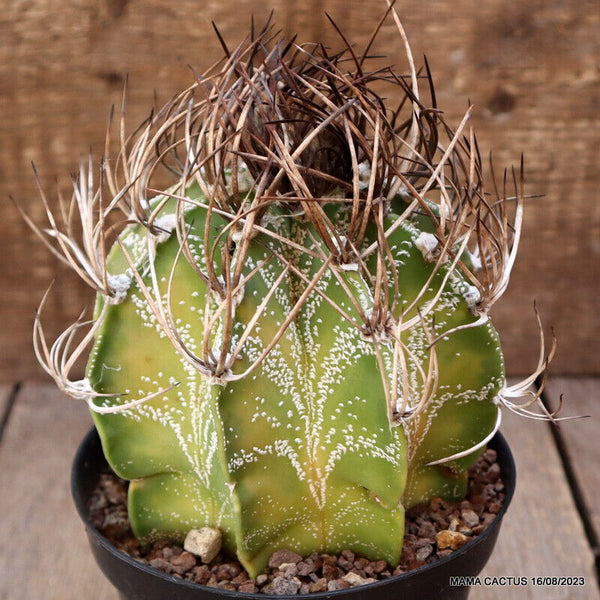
[(508, 474)]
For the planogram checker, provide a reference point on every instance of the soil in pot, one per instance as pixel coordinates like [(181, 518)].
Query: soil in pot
[(432, 531)]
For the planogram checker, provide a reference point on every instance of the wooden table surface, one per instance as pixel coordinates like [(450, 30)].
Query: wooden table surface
[(550, 529)]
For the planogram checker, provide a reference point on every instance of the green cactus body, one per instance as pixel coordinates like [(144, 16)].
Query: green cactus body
[(299, 453), (470, 376), (172, 446), (315, 462)]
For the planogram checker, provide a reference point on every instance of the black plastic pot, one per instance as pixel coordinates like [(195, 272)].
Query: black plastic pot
[(136, 581)]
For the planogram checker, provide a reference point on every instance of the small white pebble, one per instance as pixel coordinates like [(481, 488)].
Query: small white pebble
[(353, 579), (470, 517), (205, 543)]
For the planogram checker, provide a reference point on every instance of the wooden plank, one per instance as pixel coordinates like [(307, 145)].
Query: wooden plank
[(541, 534), (44, 552), (582, 397), (529, 69)]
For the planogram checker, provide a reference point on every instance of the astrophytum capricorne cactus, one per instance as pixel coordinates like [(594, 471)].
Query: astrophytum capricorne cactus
[(291, 339)]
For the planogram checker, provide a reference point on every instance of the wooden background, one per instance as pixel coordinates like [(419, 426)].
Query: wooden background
[(532, 70)]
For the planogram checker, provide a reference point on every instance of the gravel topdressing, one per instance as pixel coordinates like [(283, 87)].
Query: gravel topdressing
[(432, 531)]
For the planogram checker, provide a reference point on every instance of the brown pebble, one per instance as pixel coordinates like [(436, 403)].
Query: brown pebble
[(470, 517), (337, 584), (170, 552), (227, 571), (162, 564), (115, 531), (490, 491), (493, 473), (113, 489), (318, 586), (345, 564), (282, 586), (440, 518), (132, 547), (487, 518), (420, 542), (427, 530), (118, 517), (450, 539), (436, 504), (424, 553), (241, 578), (98, 501), (261, 579), (153, 553), (360, 564), (330, 571), (226, 585), (183, 562), (380, 566), (305, 567), (348, 555), (201, 574), (490, 455), (283, 556), (288, 570), (248, 587)]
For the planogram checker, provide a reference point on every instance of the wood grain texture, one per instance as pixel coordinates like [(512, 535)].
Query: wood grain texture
[(530, 70), (541, 534), (44, 552), (582, 397)]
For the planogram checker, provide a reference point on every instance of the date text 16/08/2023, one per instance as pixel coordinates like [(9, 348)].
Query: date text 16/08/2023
[(523, 581)]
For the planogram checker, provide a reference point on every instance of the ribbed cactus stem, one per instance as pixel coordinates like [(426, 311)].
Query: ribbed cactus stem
[(297, 454), (303, 451)]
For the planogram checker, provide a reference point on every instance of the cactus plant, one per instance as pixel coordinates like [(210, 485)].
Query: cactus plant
[(291, 340)]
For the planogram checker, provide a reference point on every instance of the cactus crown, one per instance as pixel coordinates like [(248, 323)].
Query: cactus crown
[(311, 234)]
